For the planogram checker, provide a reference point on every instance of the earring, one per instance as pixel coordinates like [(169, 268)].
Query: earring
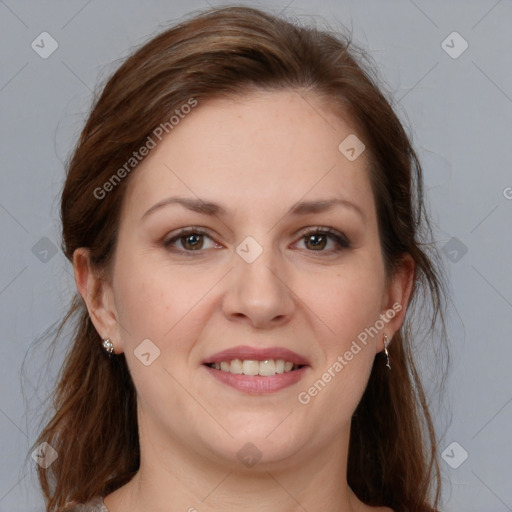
[(109, 347), (386, 343)]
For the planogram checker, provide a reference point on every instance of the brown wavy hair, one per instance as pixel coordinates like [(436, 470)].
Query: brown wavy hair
[(226, 52)]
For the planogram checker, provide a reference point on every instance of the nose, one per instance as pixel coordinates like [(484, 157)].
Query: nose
[(259, 293)]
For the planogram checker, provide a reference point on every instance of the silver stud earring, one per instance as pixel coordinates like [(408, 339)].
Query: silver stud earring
[(386, 343), (109, 347)]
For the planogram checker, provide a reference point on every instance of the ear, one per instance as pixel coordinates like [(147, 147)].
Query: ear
[(396, 299), (98, 296)]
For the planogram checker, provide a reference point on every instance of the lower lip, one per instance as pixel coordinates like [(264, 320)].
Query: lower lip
[(257, 384)]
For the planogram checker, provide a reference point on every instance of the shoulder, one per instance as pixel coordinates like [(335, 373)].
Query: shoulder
[(94, 505)]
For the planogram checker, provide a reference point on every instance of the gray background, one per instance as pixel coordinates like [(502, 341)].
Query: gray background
[(459, 113)]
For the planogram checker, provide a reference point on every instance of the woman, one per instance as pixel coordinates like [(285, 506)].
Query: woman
[(243, 212)]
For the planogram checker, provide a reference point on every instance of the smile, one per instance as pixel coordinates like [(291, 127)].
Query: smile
[(265, 368), (256, 370)]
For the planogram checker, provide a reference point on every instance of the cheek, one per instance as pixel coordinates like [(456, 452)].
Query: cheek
[(148, 303), (339, 380), (163, 304), (346, 302)]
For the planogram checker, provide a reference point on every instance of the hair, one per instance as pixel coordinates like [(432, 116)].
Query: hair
[(229, 52)]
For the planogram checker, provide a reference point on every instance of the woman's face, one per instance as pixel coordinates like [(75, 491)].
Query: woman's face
[(259, 181)]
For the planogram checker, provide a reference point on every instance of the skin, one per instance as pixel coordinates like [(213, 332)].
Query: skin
[(256, 156)]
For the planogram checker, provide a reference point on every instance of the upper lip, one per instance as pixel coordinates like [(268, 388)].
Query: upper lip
[(256, 354)]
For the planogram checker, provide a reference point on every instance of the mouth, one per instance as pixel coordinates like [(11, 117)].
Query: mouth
[(265, 368), (257, 371)]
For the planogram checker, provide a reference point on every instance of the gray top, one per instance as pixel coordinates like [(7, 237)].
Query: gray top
[(95, 505)]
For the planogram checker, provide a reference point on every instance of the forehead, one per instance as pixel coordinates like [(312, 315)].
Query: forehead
[(261, 150)]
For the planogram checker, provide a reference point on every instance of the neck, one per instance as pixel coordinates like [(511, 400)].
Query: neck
[(178, 478)]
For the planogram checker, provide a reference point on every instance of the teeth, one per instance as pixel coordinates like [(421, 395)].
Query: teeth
[(267, 367), (251, 367), (235, 367)]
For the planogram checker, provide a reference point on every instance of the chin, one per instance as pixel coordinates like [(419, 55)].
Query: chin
[(263, 445)]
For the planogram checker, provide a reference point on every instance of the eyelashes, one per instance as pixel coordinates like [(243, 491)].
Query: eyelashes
[(193, 238), (340, 240), (186, 233)]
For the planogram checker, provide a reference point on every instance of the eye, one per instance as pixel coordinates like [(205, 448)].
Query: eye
[(190, 240), (317, 239)]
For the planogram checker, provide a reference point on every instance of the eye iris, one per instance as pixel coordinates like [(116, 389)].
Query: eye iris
[(193, 241), (317, 241)]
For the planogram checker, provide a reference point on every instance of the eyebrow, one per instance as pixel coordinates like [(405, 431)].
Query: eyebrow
[(214, 209)]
